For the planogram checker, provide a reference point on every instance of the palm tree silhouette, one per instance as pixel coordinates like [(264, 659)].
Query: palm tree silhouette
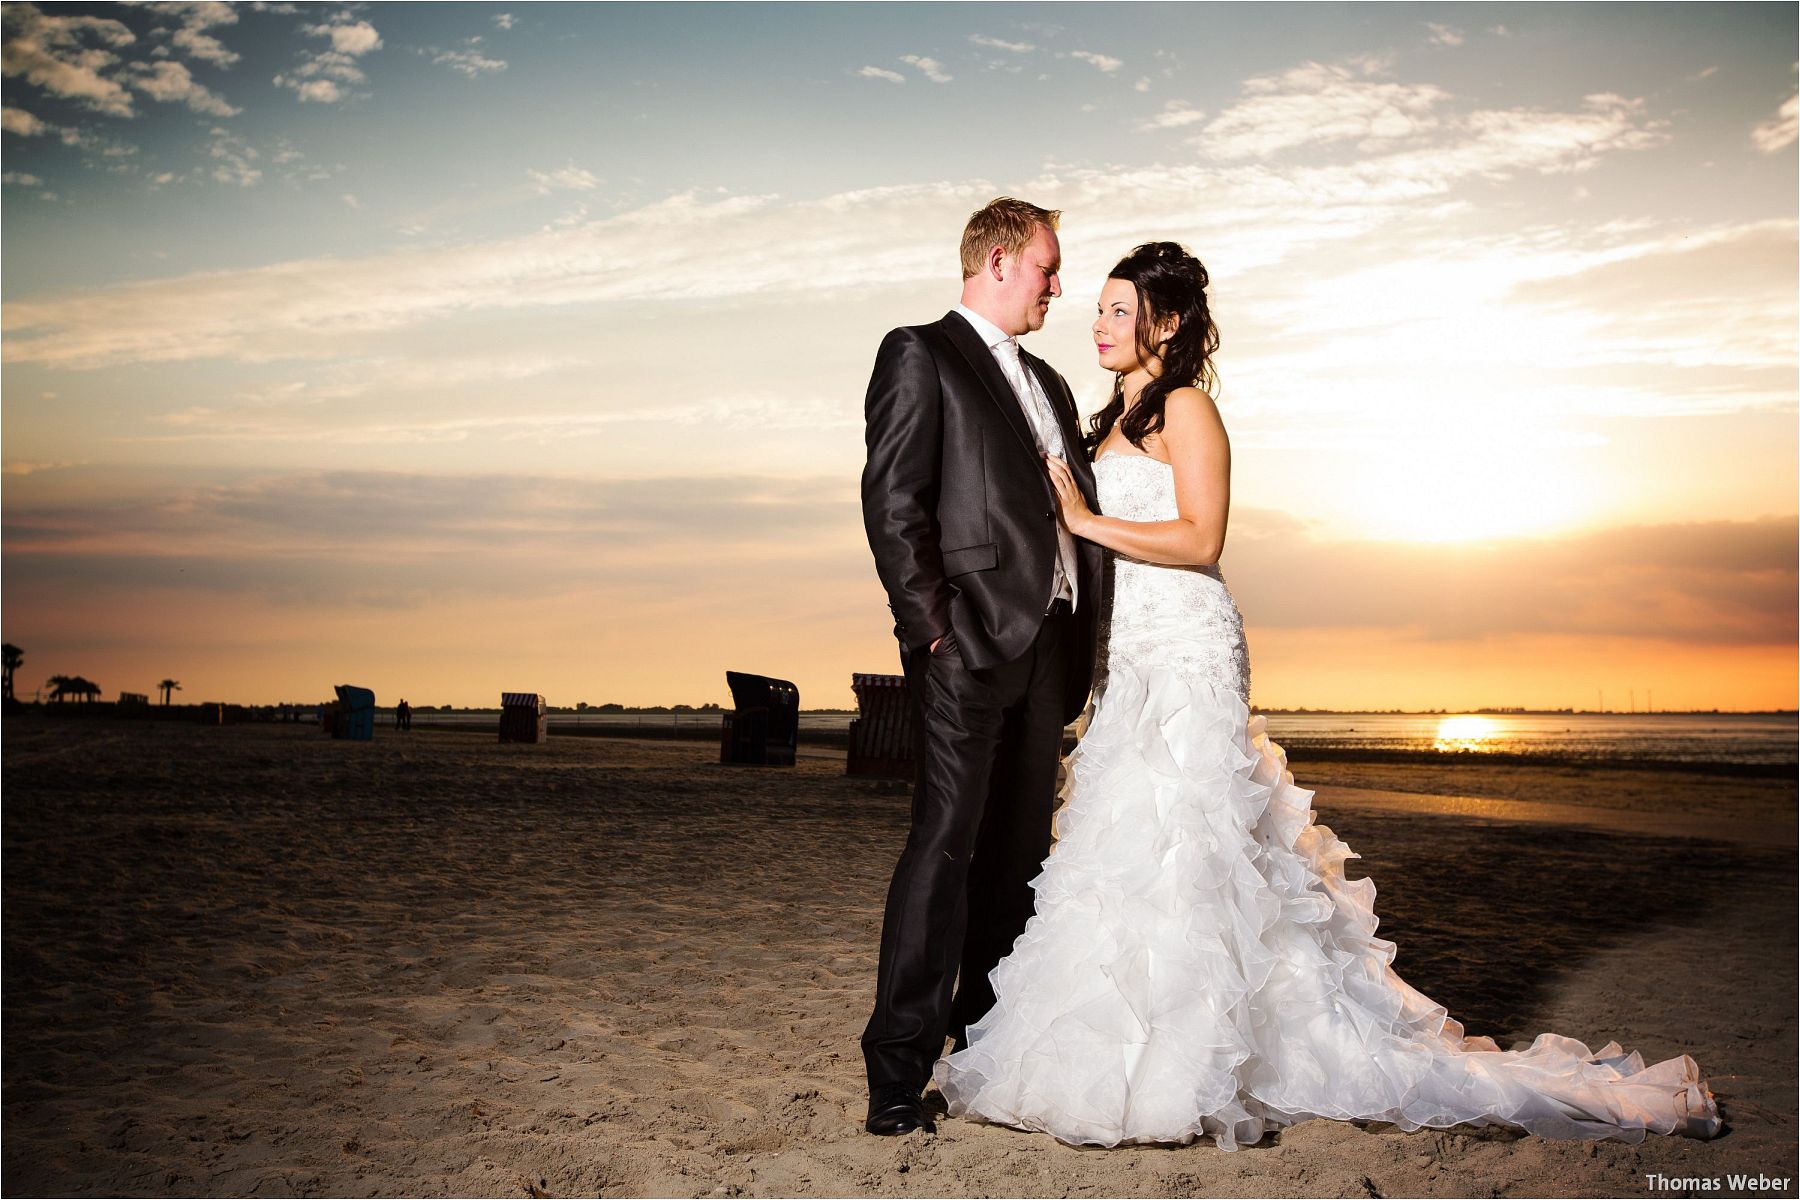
[(60, 686), (14, 659), (167, 686)]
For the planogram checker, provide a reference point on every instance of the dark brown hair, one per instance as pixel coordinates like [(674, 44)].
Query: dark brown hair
[(1169, 282)]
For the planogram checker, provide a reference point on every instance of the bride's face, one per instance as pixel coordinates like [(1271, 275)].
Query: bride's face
[(1115, 329)]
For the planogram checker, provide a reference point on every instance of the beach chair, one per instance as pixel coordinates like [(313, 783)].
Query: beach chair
[(354, 717), (764, 726), (882, 735), (521, 717)]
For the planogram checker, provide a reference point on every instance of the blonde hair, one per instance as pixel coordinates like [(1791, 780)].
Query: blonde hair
[(1004, 222)]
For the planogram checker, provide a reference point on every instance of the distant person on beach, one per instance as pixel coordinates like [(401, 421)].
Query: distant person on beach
[(993, 605), (403, 715), (1198, 963)]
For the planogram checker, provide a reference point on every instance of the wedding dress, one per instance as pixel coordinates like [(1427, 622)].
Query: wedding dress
[(1198, 963)]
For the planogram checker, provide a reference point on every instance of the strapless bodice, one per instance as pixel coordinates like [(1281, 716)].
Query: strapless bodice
[(1180, 616)]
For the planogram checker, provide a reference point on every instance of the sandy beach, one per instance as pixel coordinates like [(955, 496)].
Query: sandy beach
[(247, 960)]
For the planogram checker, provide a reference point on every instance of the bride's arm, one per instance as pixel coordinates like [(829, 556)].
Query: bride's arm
[(1200, 455)]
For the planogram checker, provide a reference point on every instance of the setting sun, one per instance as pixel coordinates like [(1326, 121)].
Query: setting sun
[(1465, 733)]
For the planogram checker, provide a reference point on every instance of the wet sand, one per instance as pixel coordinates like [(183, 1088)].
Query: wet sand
[(248, 961)]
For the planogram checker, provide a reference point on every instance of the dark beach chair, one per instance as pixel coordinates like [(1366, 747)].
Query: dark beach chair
[(521, 717), (764, 726), (354, 716), (881, 736)]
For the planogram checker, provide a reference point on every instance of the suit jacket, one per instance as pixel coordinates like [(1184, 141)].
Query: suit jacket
[(959, 508)]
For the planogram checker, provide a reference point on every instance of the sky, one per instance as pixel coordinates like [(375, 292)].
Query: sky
[(453, 349)]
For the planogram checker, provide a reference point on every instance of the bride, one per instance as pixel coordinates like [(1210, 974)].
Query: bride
[(1198, 962)]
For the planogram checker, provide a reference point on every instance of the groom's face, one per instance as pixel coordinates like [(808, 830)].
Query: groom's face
[(1031, 281)]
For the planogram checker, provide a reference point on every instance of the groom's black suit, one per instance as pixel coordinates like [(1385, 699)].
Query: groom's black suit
[(961, 516)]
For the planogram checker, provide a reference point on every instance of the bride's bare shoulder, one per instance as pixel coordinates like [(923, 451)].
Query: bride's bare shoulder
[(1191, 410), (1191, 400)]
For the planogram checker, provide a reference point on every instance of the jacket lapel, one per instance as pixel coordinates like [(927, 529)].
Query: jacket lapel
[(981, 360)]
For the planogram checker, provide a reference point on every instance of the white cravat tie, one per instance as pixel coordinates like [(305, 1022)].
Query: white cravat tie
[(1048, 435)]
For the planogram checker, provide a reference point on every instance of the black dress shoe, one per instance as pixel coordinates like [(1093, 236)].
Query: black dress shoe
[(895, 1110)]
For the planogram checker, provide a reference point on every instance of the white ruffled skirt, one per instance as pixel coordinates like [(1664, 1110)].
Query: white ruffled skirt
[(1199, 965)]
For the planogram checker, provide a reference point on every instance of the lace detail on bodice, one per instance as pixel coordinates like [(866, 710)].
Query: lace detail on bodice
[(1172, 616)]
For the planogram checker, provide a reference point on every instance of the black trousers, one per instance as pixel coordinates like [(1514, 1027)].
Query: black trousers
[(982, 803)]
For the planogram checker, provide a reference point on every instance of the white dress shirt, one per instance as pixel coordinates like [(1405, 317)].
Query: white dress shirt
[(1046, 430)]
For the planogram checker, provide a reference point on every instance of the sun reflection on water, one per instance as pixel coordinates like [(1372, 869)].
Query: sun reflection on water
[(1466, 733)]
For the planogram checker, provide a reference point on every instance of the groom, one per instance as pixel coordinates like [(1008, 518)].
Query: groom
[(994, 605)]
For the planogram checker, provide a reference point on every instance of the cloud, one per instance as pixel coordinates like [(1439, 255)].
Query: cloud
[(92, 145), (205, 47), (281, 415), (302, 537), (470, 62), (1142, 85), (320, 77), (881, 73), (170, 82), (314, 91), (191, 38), (67, 56), (567, 179), (1626, 326), (994, 43), (1443, 35), (1316, 103), (1174, 115), (1104, 62), (303, 409), (667, 249), (572, 216), (1355, 104), (24, 466), (1672, 308), (1714, 582), (299, 537), (1364, 262), (1779, 131), (17, 120), (505, 20), (1256, 214), (931, 68), (354, 38), (233, 159), (331, 64), (21, 179)]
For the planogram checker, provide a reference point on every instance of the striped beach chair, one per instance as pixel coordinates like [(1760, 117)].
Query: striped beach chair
[(881, 736), (521, 717)]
